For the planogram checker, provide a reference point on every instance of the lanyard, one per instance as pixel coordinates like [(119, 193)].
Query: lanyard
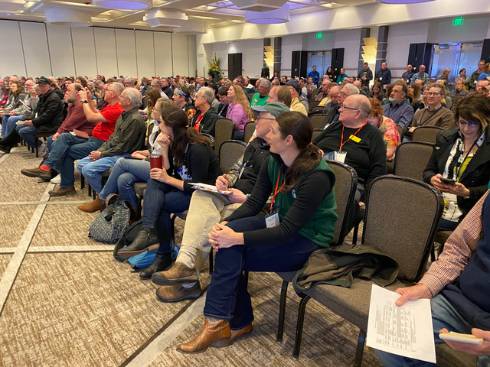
[(277, 190), (342, 143), (462, 167), (197, 124)]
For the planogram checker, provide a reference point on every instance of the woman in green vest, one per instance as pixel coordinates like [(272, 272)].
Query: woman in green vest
[(300, 218)]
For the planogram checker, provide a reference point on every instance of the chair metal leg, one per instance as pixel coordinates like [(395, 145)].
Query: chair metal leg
[(299, 325), (211, 262), (282, 310), (82, 182), (361, 341), (355, 234), (89, 189)]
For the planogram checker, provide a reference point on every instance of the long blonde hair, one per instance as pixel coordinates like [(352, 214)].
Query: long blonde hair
[(242, 99)]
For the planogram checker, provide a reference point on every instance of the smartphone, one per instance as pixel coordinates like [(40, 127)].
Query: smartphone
[(448, 181), (460, 338)]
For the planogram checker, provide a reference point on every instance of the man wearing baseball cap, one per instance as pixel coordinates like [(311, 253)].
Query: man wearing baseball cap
[(46, 118), (181, 281)]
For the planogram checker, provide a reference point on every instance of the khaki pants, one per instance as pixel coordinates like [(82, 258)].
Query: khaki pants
[(205, 210)]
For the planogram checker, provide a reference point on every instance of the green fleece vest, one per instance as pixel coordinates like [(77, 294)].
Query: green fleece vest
[(320, 228)]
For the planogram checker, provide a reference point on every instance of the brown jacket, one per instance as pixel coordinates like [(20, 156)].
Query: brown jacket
[(442, 117)]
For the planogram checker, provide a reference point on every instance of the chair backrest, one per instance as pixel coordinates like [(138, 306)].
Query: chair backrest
[(426, 134), (401, 220), (229, 152), (316, 132), (345, 190), (318, 121), (223, 131), (249, 130), (411, 159)]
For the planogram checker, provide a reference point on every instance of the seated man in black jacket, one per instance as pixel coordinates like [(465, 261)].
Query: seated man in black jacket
[(206, 209), (351, 140), (206, 117), (47, 118)]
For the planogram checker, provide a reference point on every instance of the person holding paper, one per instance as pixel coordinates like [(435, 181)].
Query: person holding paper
[(301, 218), (181, 281), (187, 158), (457, 284)]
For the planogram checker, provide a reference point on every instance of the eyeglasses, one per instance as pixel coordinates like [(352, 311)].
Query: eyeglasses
[(433, 93), (343, 107), (468, 122)]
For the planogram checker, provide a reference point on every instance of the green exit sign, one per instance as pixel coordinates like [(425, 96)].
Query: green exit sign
[(319, 35), (458, 21)]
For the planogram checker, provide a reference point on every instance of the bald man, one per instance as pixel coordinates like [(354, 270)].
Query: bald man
[(353, 141)]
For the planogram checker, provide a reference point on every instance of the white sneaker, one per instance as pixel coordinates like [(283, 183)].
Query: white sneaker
[(56, 180)]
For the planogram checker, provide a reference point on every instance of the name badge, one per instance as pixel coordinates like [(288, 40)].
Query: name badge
[(340, 157), (355, 139), (272, 220)]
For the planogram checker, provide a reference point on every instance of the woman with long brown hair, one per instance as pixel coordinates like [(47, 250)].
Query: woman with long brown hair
[(301, 219), (186, 159), (239, 110)]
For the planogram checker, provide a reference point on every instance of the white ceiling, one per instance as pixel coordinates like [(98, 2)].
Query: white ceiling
[(201, 14)]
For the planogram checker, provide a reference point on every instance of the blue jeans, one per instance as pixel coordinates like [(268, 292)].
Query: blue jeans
[(227, 297), (29, 134), (93, 170), (71, 148), (124, 174), (9, 123), (161, 200), (444, 315)]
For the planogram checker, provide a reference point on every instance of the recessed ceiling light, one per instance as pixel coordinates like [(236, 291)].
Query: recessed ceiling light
[(329, 5)]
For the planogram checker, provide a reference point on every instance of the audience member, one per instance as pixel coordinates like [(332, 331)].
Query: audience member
[(341, 76), (399, 109), (16, 103), (377, 91), (181, 281), (223, 101), (482, 65), (407, 74), (260, 97), (314, 75), (204, 121), (457, 285), (460, 163), (387, 127), (460, 92), (128, 171), (238, 110), (434, 113), (421, 75), (337, 97), (47, 118), (365, 75), (296, 104), (384, 75), (298, 224), (70, 147), (186, 159), (128, 136)]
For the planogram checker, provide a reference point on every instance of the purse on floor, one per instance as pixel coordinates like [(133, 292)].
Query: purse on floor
[(110, 224)]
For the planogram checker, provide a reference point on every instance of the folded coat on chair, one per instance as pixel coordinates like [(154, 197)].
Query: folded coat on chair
[(340, 265)]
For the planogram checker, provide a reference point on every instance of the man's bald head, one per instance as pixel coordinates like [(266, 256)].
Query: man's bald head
[(360, 102)]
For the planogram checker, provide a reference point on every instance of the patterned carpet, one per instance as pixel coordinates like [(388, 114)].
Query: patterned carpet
[(82, 308)]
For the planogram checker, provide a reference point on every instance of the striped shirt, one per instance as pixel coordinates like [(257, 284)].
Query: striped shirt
[(457, 251)]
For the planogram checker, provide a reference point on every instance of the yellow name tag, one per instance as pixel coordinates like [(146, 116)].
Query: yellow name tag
[(355, 139)]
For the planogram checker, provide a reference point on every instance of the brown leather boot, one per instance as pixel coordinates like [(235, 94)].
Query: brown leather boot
[(92, 206), (178, 273), (238, 333), (213, 334)]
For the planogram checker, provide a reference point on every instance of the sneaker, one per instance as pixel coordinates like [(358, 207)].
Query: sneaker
[(56, 180)]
